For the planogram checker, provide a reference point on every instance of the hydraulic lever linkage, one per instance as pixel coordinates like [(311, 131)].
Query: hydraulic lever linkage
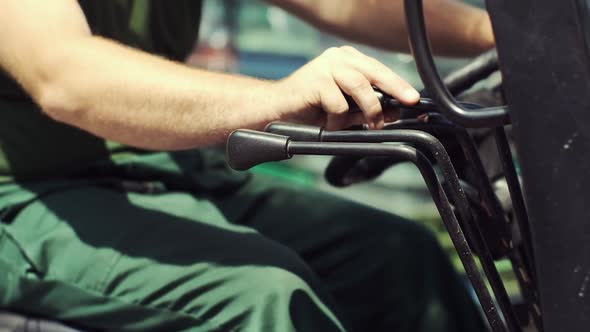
[(423, 141), (247, 148)]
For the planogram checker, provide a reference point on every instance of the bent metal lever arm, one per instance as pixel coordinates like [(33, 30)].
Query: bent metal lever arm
[(425, 141), (247, 148)]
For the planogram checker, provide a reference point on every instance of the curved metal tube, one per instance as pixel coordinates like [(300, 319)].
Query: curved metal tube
[(491, 203), (523, 262), (483, 185), (438, 195), (484, 117), (469, 149), (468, 224)]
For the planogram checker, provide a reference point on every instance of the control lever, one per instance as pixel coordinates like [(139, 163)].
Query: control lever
[(425, 142), (247, 148), (424, 105), (342, 171)]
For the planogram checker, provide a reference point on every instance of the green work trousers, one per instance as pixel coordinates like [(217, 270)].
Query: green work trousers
[(193, 252)]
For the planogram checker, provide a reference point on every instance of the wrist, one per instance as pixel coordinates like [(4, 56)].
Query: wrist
[(288, 99)]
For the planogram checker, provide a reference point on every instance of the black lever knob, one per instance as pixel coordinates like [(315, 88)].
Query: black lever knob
[(248, 148)]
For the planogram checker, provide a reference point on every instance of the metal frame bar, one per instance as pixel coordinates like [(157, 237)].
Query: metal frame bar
[(522, 261), (441, 201), (523, 271), (424, 141), (484, 117), (518, 204), (469, 225), (247, 148)]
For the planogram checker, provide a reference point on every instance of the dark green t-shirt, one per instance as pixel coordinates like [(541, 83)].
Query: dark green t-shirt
[(33, 146)]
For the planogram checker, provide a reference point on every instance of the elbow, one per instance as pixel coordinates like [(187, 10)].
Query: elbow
[(58, 102), (55, 86)]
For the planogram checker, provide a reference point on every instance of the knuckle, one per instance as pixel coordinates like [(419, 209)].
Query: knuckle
[(374, 108), (359, 85), (332, 51), (371, 108), (324, 83), (348, 48), (340, 108), (380, 80), (332, 104), (373, 60)]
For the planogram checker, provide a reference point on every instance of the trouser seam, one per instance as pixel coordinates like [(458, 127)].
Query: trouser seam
[(110, 270)]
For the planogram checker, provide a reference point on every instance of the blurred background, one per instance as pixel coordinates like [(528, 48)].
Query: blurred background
[(252, 38)]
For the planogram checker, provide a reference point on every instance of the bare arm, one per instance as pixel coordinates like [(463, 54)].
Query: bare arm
[(455, 29), (142, 100), (118, 92)]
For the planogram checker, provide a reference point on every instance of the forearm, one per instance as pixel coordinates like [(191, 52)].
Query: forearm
[(454, 28), (142, 100)]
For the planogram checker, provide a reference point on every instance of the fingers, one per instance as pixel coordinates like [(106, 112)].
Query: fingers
[(331, 98), (336, 122), (335, 105), (339, 121), (356, 74), (320, 86), (383, 77), (356, 85)]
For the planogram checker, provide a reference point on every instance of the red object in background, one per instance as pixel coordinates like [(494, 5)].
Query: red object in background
[(216, 59)]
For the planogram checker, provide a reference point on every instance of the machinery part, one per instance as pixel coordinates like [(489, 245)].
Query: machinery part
[(426, 142), (251, 139), (547, 92), (484, 117)]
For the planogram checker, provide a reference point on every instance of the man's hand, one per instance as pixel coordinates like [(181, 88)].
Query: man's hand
[(317, 90)]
